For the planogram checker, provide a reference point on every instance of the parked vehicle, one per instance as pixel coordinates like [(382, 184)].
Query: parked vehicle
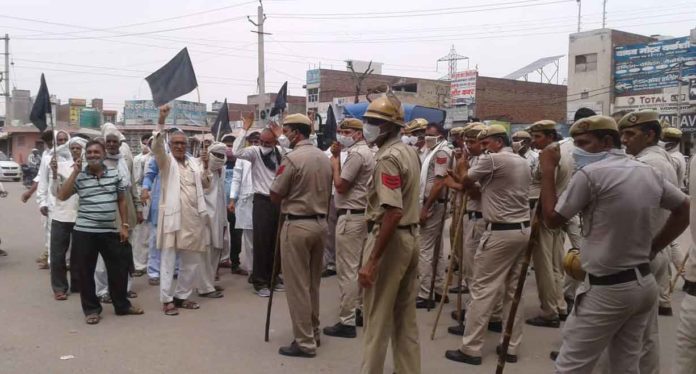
[(9, 169)]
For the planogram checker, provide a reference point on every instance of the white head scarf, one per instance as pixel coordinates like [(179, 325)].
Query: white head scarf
[(122, 166), (214, 162), (62, 151), (82, 142)]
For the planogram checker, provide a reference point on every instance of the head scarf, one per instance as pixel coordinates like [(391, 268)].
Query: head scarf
[(62, 151), (215, 163)]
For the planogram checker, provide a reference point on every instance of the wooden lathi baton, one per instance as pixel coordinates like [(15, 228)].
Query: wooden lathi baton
[(533, 239), (274, 274), (679, 272)]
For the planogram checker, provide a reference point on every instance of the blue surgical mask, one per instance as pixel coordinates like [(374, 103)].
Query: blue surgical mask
[(583, 158)]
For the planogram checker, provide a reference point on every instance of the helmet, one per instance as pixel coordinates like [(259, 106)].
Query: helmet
[(387, 108), (418, 124), (572, 265)]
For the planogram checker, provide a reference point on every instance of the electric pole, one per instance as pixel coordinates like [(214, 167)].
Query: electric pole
[(6, 79), (260, 20), (579, 13), (604, 14)]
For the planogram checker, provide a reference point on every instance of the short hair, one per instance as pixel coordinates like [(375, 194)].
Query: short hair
[(95, 142), (145, 138), (504, 138), (583, 113), (652, 126), (177, 132), (47, 136), (440, 129), (301, 128), (600, 134)]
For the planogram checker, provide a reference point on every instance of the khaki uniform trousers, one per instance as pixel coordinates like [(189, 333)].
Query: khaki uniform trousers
[(685, 350), (430, 232), (548, 269), (659, 266), (351, 233), (389, 310), (473, 229), (498, 266), (302, 250), (613, 317)]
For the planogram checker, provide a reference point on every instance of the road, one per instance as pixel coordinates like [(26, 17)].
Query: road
[(225, 335)]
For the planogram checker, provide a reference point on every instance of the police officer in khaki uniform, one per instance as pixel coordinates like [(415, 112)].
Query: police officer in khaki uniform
[(433, 196), (522, 145), (302, 186), (504, 177), (615, 303), (351, 181), (548, 255), (672, 138), (414, 135), (390, 258)]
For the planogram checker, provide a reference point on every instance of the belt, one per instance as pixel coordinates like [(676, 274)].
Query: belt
[(371, 225), (262, 196), (533, 203), (495, 226), (620, 277), (292, 217), (340, 212), (690, 287), (473, 215)]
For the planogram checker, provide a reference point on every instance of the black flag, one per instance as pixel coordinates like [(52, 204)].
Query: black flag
[(42, 107), (172, 80), (281, 100), (330, 129), (222, 123)]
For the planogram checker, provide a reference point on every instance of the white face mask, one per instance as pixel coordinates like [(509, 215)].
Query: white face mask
[(313, 139), (661, 144), (516, 146), (266, 150), (583, 158), (216, 163), (346, 141), (406, 139), (431, 141), (283, 141), (370, 132)]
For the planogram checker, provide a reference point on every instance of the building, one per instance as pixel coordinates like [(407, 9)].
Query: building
[(183, 113), (20, 107)]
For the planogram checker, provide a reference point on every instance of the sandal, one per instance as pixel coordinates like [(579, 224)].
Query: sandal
[(219, 288), (132, 295), (133, 311), (186, 304), (170, 309), (92, 319), (105, 299), (60, 296), (212, 295)]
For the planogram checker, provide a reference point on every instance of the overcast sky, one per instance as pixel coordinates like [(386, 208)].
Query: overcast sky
[(104, 49)]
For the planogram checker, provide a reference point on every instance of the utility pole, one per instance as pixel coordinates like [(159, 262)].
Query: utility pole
[(6, 79), (604, 14), (579, 13), (260, 20), (679, 97)]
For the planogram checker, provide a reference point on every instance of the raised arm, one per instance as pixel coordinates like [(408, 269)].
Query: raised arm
[(67, 189)]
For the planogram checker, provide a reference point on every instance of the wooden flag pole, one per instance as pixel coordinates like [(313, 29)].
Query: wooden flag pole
[(274, 274), (679, 272)]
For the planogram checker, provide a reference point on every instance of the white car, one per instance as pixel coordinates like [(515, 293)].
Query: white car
[(9, 169)]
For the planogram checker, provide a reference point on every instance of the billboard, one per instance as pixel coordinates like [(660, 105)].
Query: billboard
[(313, 76), (138, 112), (656, 65), (463, 88)]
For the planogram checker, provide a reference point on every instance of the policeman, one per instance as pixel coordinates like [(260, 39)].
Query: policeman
[(548, 255), (414, 135), (521, 144), (351, 182), (504, 177), (390, 257), (614, 304), (433, 196), (302, 187), (672, 139)]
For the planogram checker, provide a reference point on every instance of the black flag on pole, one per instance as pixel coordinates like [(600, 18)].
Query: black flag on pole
[(330, 129), (281, 100), (42, 107), (173, 80), (222, 123)]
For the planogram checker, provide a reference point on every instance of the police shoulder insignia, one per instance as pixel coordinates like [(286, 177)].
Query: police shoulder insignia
[(391, 181), (441, 160), (280, 170)]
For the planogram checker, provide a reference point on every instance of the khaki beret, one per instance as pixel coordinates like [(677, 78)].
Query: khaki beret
[(593, 123), (417, 124), (638, 118), (297, 119), (544, 124), (457, 130), (521, 134), (671, 133), (473, 129), (492, 130), (351, 123)]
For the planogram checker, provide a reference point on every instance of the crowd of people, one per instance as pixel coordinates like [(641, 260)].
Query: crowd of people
[(372, 209)]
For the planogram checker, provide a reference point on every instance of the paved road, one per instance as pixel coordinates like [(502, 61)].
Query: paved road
[(225, 335)]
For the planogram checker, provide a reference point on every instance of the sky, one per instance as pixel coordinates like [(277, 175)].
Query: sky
[(104, 49)]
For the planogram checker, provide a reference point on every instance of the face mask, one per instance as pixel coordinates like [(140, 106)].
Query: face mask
[(583, 158), (313, 139), (661, 144), (406, 139), (63, 152), (370, 132), (283, 141), (431, 141), (413, 140), (266, 150), (346, 141), (215, 163), (516, 146)]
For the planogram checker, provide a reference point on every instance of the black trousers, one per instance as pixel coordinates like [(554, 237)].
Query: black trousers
[(265, 221), (86, 247), (60, 243), (235, 241)]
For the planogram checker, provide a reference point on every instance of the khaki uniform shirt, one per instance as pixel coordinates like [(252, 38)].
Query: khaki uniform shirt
[(473, 205), (395, 182), (617, 197), (304, 181), (437, 167), (504, 178), (357, 170), (661, 161)]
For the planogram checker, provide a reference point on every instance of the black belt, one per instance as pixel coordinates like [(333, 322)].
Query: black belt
[(533, 203), (262, 196), (473, 215), (340, 212), (371, 225), (620, 277), (494, 226), (292, 217), (690, 287)]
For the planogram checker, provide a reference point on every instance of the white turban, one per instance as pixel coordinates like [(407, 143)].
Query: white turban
[(214, 162)]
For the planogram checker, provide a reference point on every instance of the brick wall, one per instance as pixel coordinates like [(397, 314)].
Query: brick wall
[(518, 101)]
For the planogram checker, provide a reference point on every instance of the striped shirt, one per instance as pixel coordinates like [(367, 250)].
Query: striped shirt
[(98, 200)]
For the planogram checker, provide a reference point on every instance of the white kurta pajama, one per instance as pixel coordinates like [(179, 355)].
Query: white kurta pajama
[(242, 192), (182, 227)]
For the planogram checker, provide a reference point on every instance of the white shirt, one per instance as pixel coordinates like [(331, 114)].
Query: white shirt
[(43, 197), (261, 175), (63, 211)]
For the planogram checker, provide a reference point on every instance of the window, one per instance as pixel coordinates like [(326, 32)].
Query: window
[(20, 140), (313, 95), (409, 87), (585, 63)]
